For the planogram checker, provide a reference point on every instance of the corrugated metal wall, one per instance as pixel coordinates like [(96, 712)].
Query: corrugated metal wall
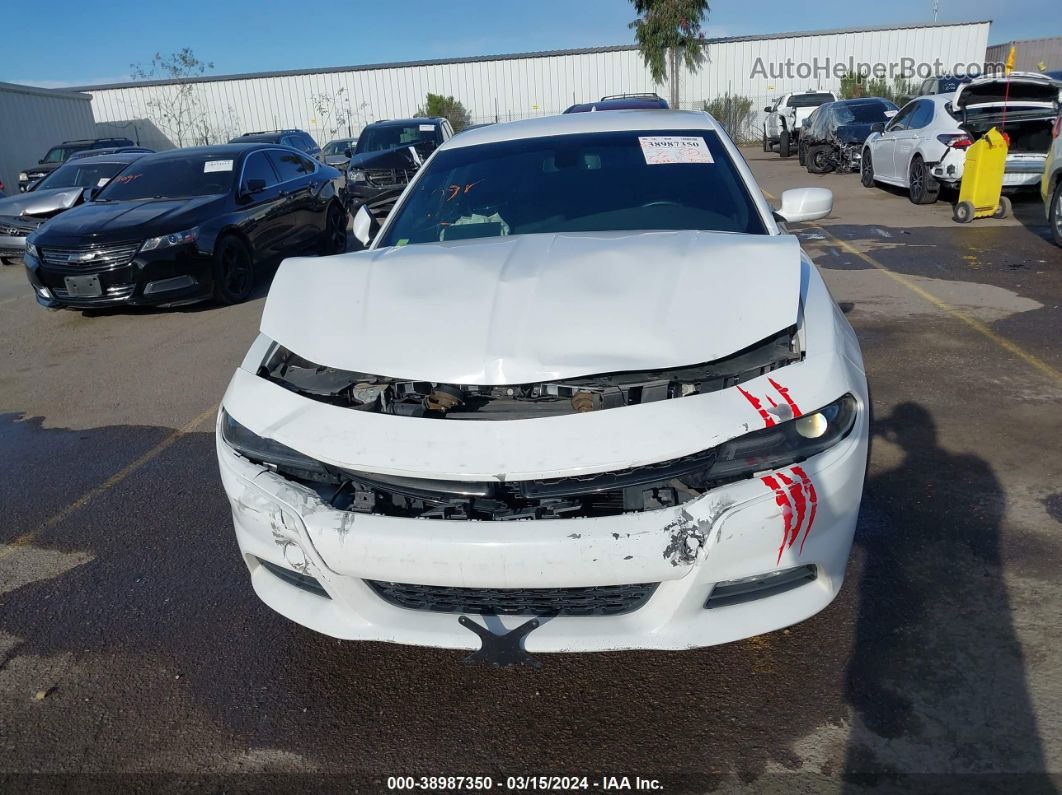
[(1030, 55), (32, 120), (514, 87)]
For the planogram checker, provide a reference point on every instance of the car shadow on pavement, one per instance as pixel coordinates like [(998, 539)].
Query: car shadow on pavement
[(937, 675)]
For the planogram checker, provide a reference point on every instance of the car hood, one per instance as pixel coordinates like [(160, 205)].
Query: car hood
[(41, 202), (336, 160), (42, 168), (126, 220), (1019, 89), (404, 157), (855, 132), (531, 308)]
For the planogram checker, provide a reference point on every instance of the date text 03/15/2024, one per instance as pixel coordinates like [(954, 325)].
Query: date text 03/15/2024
[(522, 783)]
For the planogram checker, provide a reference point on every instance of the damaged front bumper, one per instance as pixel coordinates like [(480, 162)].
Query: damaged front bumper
[(741, 559)]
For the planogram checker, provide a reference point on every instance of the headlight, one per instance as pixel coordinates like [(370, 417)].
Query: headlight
[(176, 239), (265, 451), (22, 176), (787, 442), (357, 175)]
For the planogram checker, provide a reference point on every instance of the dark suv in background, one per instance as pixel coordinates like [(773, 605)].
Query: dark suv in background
[(387, 156), (296, 139), (59, 153)]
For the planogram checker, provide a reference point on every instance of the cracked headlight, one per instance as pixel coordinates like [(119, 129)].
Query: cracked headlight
[(786, 442), (357, 175), (266, 451)]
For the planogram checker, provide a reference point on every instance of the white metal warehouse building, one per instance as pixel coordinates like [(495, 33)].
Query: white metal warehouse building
[(507, 87)]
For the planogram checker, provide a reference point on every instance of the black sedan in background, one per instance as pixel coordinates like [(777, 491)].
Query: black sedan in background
[(834, 138), (187, 225)]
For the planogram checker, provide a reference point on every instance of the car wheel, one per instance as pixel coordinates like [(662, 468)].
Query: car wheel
[(783, 144), (334, 238), (819, 159), (1055, 215), (1004, 208), (802, 154), (7, 261), (233, 271), (922, 187), (964, 212), (866, 170), (766, 146)]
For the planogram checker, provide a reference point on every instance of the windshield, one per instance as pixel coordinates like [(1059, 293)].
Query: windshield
[(78, 175), (808, 100), (57, 154), (591, 182), (337, 147), (373, 139), (172, 178), (863, 113)]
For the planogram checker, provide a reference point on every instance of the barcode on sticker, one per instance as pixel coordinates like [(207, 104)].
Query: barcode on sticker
[(662, 149)]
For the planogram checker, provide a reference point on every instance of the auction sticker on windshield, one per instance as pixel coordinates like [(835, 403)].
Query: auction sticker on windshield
[(217, 165), (662, 149)]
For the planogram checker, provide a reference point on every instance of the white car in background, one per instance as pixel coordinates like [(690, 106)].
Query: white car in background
[(582, 392), (1051, 183), (786, 115), (908, 151)]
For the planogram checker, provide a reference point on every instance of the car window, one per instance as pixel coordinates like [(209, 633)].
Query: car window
[(77, 175), (290, 165), (590, 182), (922, 115), (808, 100), (901, 120), (309, 144), (172, 177), (374, 139), (257, 166)]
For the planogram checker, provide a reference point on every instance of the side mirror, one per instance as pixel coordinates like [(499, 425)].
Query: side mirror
[(90, 193), (347, 152), (805, 204), (878, 126), (767, 109), (365, 226)]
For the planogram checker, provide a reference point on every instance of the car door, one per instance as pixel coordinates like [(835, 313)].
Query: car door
[(884, 150), (771, 123), (299, 181), (907, 140), (263, 206)]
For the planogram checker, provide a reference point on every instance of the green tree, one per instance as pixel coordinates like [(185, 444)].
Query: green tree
[(447, 107), (670, 26), (175, 107), (734, 112)]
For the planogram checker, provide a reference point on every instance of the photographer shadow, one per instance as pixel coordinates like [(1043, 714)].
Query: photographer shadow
[(937, 674)]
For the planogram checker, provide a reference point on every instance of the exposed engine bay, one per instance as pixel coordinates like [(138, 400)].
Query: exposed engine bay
[(403, 397)]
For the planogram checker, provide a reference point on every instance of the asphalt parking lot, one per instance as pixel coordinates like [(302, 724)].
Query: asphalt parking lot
[(131, 643)]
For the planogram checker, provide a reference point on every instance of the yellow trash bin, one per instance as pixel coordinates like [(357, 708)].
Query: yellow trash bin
[(982, 179)]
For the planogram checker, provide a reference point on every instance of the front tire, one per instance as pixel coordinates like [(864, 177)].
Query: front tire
[(766, 146), (866, 170), (922, 187), (783, 144), (233, 271), (802, 153), (819, 159)]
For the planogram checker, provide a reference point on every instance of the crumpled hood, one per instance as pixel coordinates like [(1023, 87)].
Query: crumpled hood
[(399, 157), (125, 220), (40, 202), (531, 308)]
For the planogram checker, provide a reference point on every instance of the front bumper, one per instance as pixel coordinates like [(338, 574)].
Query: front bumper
[(726, 534), (163, 277), (13, 234)]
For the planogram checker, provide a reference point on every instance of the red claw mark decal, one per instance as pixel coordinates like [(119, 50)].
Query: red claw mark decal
[(795, 495), (765, 415), (768, 420)]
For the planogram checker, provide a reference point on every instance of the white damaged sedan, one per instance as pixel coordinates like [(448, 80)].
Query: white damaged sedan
[(582, 388)]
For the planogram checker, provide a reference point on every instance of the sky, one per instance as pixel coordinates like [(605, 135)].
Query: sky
[(74, 43)]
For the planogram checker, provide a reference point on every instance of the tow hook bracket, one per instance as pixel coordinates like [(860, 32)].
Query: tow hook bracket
[(501, 651)]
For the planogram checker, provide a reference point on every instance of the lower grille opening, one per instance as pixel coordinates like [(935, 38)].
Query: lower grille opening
[(604, 600), (303, 581), (747, 589)]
